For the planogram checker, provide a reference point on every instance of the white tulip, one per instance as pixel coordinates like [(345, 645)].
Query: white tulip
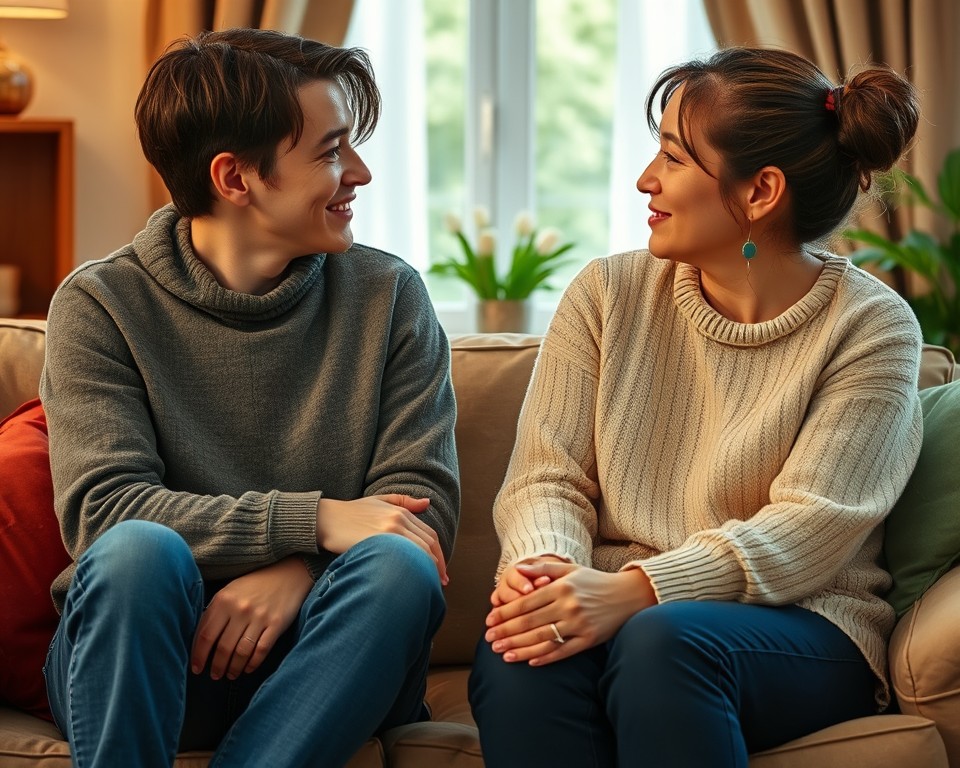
[(547, 241), (487, 242), (481, 217), (524, 224), (452, 222)]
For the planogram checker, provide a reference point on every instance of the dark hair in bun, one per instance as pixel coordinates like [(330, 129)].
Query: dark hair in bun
[(767, 107)]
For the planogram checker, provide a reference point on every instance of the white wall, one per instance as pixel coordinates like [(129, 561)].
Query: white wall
[(88, 68)]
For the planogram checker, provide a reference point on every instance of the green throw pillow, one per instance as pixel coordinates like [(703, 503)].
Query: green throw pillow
[(922, 538)]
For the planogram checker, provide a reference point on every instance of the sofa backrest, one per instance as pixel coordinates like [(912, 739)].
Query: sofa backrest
[(490, 376)]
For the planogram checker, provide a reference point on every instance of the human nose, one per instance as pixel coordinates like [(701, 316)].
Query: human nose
[(648, 181), (356, 173)]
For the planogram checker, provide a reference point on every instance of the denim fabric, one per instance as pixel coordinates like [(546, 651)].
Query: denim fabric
[(354, 662), (683, 684)]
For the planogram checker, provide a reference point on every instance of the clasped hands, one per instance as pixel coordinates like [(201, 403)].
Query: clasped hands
[(587, 606), (246, 618)]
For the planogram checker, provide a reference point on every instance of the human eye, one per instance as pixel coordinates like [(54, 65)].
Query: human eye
[(668, 157), (329, 152)]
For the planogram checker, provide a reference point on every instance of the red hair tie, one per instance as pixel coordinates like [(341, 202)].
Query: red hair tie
[(831, 103)]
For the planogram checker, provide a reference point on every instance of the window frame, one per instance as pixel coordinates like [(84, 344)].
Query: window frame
[(501, 88)]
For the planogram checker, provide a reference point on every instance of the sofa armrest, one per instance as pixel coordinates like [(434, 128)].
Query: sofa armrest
[(925, 660), (22, 345)]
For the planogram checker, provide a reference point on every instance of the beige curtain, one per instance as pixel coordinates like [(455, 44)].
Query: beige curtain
[(168, 20), (918, 38)]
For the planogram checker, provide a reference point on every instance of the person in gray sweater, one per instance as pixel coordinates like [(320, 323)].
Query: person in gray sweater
[(251, 434)]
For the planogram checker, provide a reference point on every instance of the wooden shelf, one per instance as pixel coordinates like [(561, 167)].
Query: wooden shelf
[(36, 206)]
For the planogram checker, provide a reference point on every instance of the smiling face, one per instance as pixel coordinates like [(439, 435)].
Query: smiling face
[(689, 220), (305, 206)]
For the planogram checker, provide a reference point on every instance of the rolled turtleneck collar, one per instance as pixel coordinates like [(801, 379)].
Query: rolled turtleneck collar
[(165, 251), (689, 298)]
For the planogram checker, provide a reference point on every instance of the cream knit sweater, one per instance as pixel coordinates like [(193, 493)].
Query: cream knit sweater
[(730, 461)]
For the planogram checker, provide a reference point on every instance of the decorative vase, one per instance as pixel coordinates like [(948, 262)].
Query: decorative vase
[(502, 316), (16, 83)]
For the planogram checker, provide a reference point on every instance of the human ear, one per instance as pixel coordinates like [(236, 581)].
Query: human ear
[(229, 179), (766, 190)]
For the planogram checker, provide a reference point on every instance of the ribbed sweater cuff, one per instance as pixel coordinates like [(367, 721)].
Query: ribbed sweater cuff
[(504, 564), (563, 548), (692, 573), (293, 523)]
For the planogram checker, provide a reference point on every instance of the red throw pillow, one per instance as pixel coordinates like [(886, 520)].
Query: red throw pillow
[(31, 556)]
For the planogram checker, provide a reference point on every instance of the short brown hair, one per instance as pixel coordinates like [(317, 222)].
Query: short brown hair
[(238, 91), (766, 107)]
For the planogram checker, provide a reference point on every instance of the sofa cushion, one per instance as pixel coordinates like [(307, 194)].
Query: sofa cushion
[(922, 539), (490, 377), (31, 555), (26, 742), (925, 660), (881, 741)]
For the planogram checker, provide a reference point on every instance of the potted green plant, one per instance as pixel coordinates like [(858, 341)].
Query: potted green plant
[(503, 297), (936, 261)]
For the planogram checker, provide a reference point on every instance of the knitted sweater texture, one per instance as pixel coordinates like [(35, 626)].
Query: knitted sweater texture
[(729, 461), (225, 416)]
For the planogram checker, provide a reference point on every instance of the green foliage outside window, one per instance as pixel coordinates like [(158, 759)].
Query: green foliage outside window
[(576, 66), (575, 70)]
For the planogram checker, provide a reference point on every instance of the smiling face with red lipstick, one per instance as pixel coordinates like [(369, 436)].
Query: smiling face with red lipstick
[(691, 220)]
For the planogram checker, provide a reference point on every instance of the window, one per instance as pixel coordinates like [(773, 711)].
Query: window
[(514, 105)]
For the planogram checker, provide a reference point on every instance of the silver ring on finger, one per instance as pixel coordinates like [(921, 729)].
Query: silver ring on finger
[(557, 637)]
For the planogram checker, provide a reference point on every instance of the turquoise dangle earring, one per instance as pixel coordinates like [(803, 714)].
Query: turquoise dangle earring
[(749, 249)]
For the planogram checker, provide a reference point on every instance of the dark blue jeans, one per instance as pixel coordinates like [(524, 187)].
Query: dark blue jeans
[(682, 685), (353, 663)]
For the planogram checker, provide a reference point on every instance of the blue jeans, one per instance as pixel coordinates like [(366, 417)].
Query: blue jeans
[(353, 663), (685, 685)]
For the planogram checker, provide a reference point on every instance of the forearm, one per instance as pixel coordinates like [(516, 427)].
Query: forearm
[(548, 500), (850, 462), (228, 536)]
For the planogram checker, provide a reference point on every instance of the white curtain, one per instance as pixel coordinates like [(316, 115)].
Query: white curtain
[(651, 36), (391, 212)]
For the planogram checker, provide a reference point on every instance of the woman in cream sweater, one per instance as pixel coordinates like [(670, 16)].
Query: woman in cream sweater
[(691, 521)]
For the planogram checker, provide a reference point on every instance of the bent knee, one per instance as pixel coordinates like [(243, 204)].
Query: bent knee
[(140, 553), (401, 559), (498, 678), (499, 686), (510, 691), (662, 631), (409, 574)]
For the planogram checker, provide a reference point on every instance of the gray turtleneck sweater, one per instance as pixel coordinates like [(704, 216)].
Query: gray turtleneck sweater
[(225, 416)]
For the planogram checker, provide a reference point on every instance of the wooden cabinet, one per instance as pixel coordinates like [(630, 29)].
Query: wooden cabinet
[(36, 206)]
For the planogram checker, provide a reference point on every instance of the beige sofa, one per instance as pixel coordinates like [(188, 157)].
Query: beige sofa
[(490, 376)]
